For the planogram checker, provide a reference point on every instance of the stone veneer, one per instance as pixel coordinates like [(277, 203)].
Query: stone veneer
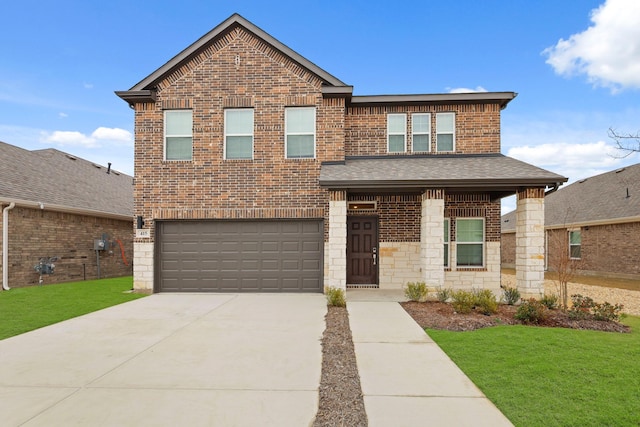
[(432, 238), (477, 278), (336, 248), (143, 266), (400, 262), (530, 243)]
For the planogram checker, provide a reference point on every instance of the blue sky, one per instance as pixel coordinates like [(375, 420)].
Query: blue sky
[(574, 64)]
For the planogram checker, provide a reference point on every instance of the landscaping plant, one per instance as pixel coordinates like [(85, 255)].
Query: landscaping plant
[(550, 301), (335, 297), (531, 311), (416, 291), (486, 301), (463, 301), (444, 294), (510, 295)]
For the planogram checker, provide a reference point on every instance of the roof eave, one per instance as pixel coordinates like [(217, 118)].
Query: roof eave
[(502, 98), (475, 184), (134, 96)]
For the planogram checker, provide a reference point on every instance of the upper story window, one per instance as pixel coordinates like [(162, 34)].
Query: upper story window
[(421, 132), (575, 244), (445, 132), (238, 134), (470, 242), (396, 133), (300, 132), (178, 135)]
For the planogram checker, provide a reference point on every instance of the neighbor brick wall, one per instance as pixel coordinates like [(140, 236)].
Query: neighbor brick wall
[(508, 250), (477, 128), (35, 233), (237, 70)]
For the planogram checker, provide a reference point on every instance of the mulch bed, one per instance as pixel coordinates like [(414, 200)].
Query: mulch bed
[(439, 315), (341, 401)]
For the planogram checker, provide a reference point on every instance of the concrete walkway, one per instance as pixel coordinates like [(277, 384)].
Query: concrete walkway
[(407, 380), (170, 360)]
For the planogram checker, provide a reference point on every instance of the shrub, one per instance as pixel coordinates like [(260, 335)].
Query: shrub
[(580, 306), (530, 311), (463, 301), (335, 297), (416, 291), (444, 294), (550, 301), (486, 301), (607, 312), (510, 295)]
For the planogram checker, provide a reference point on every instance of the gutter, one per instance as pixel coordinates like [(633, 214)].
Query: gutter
[(5, 246), (65, 209)]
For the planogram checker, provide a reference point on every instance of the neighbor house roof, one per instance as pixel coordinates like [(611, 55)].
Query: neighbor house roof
[(612, 197), (51, 179), (496, 173)]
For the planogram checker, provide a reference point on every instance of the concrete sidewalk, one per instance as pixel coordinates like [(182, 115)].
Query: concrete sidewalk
[(170, 360), (407, 380)]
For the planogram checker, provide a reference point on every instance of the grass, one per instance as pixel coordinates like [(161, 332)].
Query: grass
[(26, 309), (552, 376)]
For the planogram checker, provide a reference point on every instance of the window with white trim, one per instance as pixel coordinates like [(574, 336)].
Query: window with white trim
[(396, 133), (238, 134), (300, 132), (470, 242), (446, 242), (445, 132), (575, 244), (421, 132), (178, 135)]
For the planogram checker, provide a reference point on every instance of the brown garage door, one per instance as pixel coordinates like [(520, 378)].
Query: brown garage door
[(239, 256)]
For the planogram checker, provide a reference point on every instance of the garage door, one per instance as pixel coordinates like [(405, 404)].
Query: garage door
[(240, 256)]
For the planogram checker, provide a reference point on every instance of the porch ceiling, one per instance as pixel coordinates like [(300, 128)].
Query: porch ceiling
[(494, 173)]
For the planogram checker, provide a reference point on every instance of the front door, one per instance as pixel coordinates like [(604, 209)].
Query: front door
[(362, 250)]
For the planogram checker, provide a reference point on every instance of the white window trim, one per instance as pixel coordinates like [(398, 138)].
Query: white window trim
[(164, 138), (447, 244), (413, 133), (286, 132), (238, 134), (569, 231), (453, 133), (404, 133), (484, 246)]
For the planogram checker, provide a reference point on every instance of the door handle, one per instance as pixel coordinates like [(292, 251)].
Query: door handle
[(374, 259)]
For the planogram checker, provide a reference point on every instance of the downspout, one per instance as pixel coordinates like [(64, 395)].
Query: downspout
[(5, 246)]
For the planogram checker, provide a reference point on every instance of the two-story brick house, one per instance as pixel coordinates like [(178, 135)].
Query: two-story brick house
[(255, 170)]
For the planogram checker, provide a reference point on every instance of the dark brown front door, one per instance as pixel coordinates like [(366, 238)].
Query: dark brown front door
[(362, 250)]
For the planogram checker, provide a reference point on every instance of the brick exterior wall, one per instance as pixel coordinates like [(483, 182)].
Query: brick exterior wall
[(508, 250), (35, 233)]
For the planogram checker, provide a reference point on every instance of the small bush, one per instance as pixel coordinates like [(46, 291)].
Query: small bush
[(530, 311), (485, 300), (444, 294), (510, 295), (607, 312), (463, 301), (335, 297), (580, 306), (416, 291), (550, 301)]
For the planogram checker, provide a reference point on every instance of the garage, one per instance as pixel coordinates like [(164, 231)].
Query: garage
[(239, 256)]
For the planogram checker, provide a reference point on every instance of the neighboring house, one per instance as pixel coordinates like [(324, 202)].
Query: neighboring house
[(57, 205), (258, 171), (595, 222)]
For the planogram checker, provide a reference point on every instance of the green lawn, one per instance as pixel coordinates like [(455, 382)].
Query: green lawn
[(552, 376), (25, 309)]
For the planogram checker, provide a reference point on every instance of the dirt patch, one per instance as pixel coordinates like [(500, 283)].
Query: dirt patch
[(341, 402), (439, 315)]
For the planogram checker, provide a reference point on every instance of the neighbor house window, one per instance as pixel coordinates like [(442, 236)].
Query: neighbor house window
[(421, 132), (445, 131), (178, 135), (300, 132), (575, 244), (446, 242), (396, 133), (469, 242), (238, 134)]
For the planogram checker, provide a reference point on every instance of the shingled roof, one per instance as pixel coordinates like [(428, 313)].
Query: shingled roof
[(612, 197), (63, 182)]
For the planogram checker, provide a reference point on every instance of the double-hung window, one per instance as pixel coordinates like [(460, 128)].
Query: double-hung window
[(421, 132), (445, 132), (396, 133), (575, 244), (446, 242), (470, 242), (238, 134), (300, 132), (178, 135)]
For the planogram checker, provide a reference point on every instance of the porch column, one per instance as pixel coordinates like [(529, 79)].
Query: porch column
[(432, 237), (530, 242), (337, 244)]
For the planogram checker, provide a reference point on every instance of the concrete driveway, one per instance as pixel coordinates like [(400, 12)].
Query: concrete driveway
[(170, 360)]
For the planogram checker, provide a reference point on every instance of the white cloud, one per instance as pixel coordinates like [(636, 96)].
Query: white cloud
[(101, 134), (608, 52), (87, 85), (63, 115), (466, 90)]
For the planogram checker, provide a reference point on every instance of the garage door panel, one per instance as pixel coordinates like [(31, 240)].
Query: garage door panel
[(240, 256)]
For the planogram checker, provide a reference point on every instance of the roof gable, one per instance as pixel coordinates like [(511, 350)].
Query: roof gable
[(145, 89)]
